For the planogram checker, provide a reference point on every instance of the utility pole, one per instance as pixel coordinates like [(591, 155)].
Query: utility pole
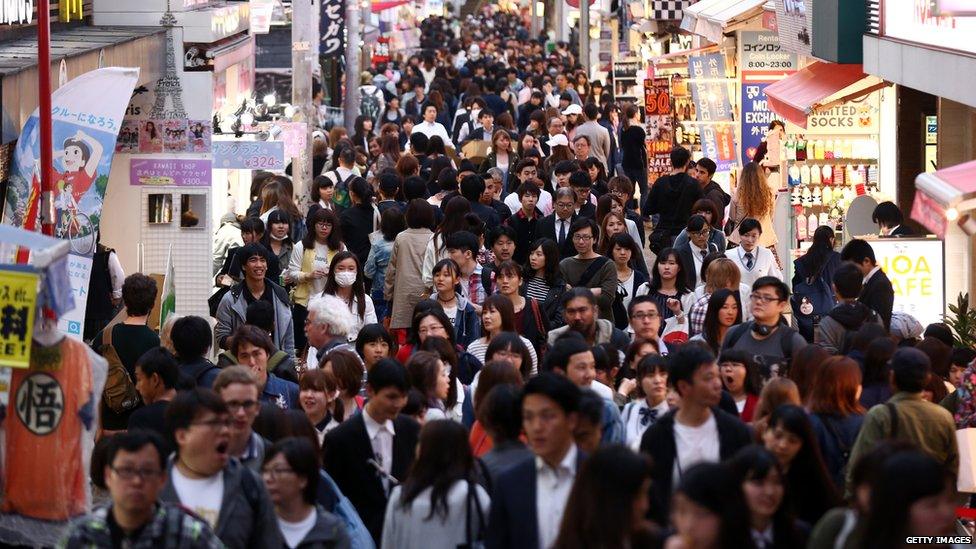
[(44, 116), (353, 38), (304, 53), (534, 25), (584, 36)]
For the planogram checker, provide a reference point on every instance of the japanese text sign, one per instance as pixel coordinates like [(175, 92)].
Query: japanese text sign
[(332, 21), (755, 112), (170, 171), (18, 298), (710, 92), (249, 155)]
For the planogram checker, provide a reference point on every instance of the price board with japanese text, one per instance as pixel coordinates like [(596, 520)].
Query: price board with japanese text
[(249, 155), (18, 298)]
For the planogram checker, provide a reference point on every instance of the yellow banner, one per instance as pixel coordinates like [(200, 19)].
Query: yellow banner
[(18, 298)]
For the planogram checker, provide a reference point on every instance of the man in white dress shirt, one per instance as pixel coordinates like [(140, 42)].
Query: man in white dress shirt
[(430, 127), (753, 261), (530, 497)]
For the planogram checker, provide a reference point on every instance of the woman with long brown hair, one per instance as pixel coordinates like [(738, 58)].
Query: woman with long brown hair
[(276, 195), (836, 413), (754, 198), (389, 154), (502, 155)]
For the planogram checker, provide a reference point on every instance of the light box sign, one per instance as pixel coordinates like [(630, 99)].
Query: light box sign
[(761, 51), (958, 8), (710, 93), (175, 172), (916, 268), (249, 155), (917, 21)]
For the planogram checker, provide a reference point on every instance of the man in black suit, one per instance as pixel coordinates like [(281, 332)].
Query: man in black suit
[(889, 218), (877, 292), (472, 188), (693, 253), (580, 183), (556, 225), (549, 410), (698, 431), (371, 452)]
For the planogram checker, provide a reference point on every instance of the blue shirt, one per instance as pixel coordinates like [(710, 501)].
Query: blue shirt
[(280, 393)]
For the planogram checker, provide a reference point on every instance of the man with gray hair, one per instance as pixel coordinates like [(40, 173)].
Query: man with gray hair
[(556, 225), (328, 327)]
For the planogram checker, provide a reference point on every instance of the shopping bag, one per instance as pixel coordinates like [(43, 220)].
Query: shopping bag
[(966, 439)]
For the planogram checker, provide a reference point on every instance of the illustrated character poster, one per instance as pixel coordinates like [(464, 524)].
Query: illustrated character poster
[(87, 115)]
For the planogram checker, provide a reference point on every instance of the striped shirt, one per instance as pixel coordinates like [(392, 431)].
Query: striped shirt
[(536, 288)]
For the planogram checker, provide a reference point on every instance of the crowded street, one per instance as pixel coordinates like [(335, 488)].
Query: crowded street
[(509, 274)]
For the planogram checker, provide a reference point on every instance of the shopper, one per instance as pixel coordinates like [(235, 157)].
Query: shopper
[(157, 375), (404, 270), (877, 292), (813, 274), (836, 330), (439, 504), (310, 262), (767, 337), (671, 197), (836, 414), (764, 486), (754, 199), (709, 510), (203, 478), (696, 432), (651, 403), (252, 347)]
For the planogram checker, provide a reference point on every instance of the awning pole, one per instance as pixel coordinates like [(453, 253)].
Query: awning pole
[(44, 113)]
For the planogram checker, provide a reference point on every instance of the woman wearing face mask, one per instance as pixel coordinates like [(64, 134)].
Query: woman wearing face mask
[(791, 439), (763, 484), (278, 239), (345, 281)]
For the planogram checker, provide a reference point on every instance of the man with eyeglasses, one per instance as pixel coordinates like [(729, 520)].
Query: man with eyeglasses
[(252, 347), (556, 225), (135, 473), (645, 321), (238, 388), (693, 253), (204, 478), (767, 338)]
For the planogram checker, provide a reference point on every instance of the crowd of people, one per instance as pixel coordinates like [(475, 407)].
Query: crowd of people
[(489, 329)]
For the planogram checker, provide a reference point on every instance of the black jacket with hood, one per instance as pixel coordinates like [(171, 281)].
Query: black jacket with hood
[(672, 197), (835, 330)]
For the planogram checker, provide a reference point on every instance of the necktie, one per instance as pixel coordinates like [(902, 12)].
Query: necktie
[(749, 261), (647, 415), (703, 254), (562, 231)]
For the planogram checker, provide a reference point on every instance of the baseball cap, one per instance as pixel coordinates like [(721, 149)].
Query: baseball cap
[(573, 109)]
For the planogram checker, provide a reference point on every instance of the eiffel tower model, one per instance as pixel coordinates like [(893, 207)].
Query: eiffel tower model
[(169, 84)]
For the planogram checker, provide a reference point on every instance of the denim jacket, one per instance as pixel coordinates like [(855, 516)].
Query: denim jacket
[(376, 262)]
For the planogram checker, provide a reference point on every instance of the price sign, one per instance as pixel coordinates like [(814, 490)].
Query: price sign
[(249, 155), (18, 298)]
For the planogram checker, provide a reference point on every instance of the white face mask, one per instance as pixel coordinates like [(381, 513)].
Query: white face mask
[(345, 279)]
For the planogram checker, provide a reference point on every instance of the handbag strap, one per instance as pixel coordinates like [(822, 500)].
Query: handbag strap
[(893, 412), (591, 270)]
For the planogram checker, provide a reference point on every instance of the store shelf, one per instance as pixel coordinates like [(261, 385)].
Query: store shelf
[(823, 161)]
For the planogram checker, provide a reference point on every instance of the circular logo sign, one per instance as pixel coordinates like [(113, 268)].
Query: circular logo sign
[(40, 403)]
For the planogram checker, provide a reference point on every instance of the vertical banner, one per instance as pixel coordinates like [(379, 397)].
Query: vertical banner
[(710, 93), (332, 22), (87, 115), (659, 126), (763, 61)]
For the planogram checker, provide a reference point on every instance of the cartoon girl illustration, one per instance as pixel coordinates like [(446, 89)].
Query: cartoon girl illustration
[(79, 157)]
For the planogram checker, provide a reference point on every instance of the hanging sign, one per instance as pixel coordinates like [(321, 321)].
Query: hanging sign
[(659, 126), (710, 93), (761, 51), (249, 155), (18, 299), (332, 22), (916, 268), (176, 172)]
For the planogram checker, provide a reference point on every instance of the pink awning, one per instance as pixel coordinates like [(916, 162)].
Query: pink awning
[(377, 7), (944, 195), (797, 95)]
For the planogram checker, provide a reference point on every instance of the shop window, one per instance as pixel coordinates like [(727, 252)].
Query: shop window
[(192, 209), (160, 209)]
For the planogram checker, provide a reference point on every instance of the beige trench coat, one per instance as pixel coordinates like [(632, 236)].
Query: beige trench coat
[(404, 283)]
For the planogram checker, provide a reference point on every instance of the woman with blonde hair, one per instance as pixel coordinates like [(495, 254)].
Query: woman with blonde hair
[(754, 198), (719, 272)]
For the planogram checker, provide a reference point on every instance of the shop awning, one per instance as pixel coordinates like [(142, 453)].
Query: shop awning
[(381, 5), (83, 49), (806, 90), (711, 18), (944, 195)]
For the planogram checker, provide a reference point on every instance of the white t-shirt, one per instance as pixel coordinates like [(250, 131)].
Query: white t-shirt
[(295, 532), (202, 496), (694, 445), (451, 313)]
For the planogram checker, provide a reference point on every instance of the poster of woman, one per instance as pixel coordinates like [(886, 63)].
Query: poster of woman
[(150, 137), (174, 136)]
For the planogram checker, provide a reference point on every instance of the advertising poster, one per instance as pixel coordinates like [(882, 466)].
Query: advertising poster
[(150, 136), (18, 301), (710, 93), (755, 113), (174, 135), (178, 172), (793, 22), (128, 141), (250, 155), (626, 86), (87, 115), (917, 272), (763, 61), (200, 133), (659, 126)]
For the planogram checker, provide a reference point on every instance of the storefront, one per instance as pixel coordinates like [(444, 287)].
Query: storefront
[(931, 56), (164, 156)]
